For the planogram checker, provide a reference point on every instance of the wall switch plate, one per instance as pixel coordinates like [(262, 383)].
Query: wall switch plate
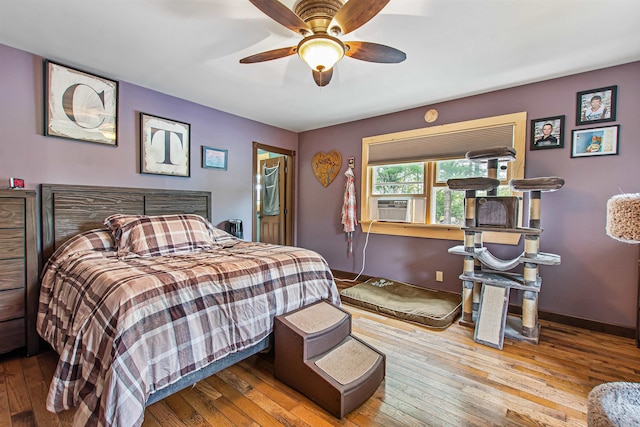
[(439, 276)]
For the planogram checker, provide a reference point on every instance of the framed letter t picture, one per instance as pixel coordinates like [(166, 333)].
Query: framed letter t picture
[(164, 146)]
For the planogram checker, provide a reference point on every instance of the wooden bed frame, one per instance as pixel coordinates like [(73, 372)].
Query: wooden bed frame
[(71, 209)]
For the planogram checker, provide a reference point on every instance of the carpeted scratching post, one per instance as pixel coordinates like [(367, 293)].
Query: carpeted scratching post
[(623, 218), (484, 276), (615, 404), (623, 224)]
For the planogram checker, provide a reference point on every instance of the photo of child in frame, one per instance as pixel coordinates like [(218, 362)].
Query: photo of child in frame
[(547, 132), (595, 141), (596, 105)]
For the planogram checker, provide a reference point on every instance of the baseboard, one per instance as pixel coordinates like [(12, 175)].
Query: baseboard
[(339, 274), (577, 322), (590, 325)]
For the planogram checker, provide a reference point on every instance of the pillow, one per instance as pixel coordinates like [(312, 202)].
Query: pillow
[(92, 240), (115, 223), (159, 235), (98, 240), (222, 237)]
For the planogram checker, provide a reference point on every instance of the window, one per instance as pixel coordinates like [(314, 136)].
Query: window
[(447, 206), (415, 165), (398, 179)]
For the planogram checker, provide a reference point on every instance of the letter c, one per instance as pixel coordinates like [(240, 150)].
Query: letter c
[(67, 104)]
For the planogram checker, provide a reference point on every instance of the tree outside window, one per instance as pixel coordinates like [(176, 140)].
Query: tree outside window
[(409, 179), (449, 205), (405, 178)]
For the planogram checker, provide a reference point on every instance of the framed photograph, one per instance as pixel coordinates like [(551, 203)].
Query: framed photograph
[(79, 105), (547, 133), (164, 146), (214, 158), (595, 141), (596, 105)]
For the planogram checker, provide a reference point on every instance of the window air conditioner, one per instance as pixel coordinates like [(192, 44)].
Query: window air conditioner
[(395, 210)]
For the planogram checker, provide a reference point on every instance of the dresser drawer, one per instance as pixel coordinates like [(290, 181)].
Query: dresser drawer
[(11, 304), (13, 335), (18, 271), (12, 213), (12, 274), (11, 243)]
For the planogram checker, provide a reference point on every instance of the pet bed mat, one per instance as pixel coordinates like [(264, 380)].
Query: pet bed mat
[(428, 307)]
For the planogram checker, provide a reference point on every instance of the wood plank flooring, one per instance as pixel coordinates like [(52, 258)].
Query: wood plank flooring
[(433, 378)]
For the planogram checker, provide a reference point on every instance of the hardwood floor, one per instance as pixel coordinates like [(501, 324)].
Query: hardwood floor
[(433, 378)]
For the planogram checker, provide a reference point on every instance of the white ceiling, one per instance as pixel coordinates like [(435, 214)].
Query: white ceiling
[(455, 48)]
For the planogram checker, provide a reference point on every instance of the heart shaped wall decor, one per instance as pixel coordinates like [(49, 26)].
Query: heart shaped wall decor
[(326, 166)]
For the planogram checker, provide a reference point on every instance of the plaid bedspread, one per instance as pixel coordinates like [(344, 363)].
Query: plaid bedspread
[(126, 327)]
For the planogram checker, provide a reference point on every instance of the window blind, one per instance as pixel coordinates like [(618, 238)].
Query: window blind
[(440, 146)]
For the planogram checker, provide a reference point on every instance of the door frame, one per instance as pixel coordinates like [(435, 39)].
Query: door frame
[(289, 190)]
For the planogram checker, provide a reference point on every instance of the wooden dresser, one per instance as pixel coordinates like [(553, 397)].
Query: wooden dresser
[(18, 271)]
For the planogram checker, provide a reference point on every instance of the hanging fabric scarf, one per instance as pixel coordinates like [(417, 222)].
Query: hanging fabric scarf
[(349, 220)]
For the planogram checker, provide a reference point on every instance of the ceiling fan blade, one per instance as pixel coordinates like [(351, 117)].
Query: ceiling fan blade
[(322, 78), (269, 55), (373, 52), (282, 15), (356, 13)]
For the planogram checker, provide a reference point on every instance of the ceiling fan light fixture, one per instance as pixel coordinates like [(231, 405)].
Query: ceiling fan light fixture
[(321, 51)]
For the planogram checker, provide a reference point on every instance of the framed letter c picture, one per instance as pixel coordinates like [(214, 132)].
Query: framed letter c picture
[(79, 105), (164, 146)]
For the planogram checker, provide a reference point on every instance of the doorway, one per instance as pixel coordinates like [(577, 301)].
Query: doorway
[(273, 194)]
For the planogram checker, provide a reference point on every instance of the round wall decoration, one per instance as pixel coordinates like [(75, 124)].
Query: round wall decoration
[(431, 116)]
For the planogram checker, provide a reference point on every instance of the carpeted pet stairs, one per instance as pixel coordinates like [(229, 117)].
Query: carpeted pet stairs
[(316, 354)]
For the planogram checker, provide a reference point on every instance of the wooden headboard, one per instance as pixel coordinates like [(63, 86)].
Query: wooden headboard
[(70, 209)]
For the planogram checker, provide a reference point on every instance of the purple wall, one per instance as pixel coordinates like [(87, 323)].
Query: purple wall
[(598, 277), (26, 153)]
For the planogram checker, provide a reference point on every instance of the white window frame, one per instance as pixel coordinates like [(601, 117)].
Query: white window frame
[(518, 121)]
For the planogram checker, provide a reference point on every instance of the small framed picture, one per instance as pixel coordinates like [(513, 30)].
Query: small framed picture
[(601, 141), (547, 132), (214, 158), (79, 105), (164, 146), (596, 105)]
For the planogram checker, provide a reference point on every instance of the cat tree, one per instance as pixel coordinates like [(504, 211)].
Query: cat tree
[(486, 279)]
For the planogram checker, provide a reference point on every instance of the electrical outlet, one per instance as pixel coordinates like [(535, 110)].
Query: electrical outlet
[(439, 276)]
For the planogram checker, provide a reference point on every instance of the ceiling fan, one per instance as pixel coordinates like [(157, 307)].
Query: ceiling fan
[(320, 23)]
